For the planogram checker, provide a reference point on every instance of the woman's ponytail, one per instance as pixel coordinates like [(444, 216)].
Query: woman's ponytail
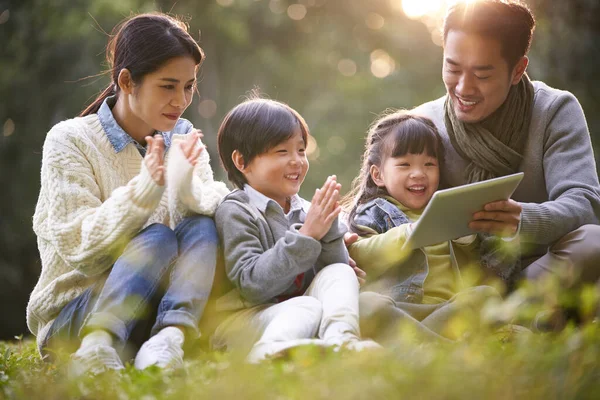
[(95, 106)]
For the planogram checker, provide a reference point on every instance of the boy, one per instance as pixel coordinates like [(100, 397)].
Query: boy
[(285, 257)]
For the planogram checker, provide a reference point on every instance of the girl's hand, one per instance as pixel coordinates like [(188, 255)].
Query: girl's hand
[(189, 146), (324, 209), (154, 158), (361, 275)]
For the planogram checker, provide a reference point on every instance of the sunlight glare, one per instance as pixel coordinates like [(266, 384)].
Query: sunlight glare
[(415, 9)]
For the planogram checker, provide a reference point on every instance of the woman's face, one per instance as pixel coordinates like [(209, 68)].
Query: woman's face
[(163, 95)]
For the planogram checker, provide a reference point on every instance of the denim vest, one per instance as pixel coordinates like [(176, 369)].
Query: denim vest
[(405, 282)]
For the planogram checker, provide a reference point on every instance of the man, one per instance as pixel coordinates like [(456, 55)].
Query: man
[(494, 121)]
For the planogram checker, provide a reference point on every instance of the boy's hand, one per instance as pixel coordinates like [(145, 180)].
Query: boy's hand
[(324, 209), (189, 146), (154, 158)]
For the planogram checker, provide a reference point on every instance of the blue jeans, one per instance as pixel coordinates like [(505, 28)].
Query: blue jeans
[(162, 278)]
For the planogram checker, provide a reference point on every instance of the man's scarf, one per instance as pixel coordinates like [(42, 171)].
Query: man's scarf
[(493, 147)]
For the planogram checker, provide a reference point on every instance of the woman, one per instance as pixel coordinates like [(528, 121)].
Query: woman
[(114, 275)]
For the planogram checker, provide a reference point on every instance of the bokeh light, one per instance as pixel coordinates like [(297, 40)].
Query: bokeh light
[(347, 67), (374, 21), (382, 64), (225, 3), (296, 12), (415, 9), (9, 127), (312, 148), (4, 16), (207, 108)]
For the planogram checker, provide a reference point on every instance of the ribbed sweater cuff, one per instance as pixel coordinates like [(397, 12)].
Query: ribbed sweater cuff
[(536, 224), (147, 193)]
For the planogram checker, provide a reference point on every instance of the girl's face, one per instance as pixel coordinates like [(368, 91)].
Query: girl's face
[(279, 172), (163, 95), (411, 179)]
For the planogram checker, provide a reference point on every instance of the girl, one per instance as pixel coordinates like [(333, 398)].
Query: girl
[(113, 272), (400, 173)]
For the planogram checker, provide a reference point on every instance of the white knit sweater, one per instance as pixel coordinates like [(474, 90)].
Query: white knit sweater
[(93, 199)]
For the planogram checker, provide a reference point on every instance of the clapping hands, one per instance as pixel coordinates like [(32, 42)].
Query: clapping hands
[(324, 209)]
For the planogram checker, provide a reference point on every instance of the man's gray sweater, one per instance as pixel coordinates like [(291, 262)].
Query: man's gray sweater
[(560, 190)]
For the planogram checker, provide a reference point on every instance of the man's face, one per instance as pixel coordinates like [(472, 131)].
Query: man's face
[(476, 76)]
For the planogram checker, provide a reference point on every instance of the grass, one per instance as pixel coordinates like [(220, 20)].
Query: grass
[(531, 366), (481, 366)]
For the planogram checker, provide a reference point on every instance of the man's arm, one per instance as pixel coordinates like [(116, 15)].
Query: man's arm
[(571, 182), (570, 174)]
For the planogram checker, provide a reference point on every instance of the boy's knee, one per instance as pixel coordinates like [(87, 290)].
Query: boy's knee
[(339, 271), (306, 305)]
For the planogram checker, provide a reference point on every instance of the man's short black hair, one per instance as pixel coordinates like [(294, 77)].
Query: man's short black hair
[(509, 21)]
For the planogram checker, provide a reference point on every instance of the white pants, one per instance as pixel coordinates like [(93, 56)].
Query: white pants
[(327, 310)]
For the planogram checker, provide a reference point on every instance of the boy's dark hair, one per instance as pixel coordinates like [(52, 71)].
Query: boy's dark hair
[(254, 127), (393, 134), (142, 44), (508, 21)]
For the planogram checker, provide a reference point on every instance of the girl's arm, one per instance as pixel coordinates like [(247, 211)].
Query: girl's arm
[(377, 253), (261, 273), (191, 189), (86, 232)]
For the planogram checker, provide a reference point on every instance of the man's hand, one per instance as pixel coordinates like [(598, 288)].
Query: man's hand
[(323, 210), (350, 238), (499, 218), (154, 158)]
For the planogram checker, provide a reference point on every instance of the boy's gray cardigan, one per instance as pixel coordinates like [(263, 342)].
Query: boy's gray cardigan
[(264, 252)]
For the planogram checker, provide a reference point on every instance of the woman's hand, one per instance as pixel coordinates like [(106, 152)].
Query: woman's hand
[(190, 147), (500, 218), (324, 209), (154, 159)]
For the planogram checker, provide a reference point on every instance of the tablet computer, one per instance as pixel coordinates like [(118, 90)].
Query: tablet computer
[(449, 211)]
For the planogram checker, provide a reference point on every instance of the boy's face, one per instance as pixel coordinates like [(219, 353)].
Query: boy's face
[(279, 172), (410, 179), (476, 75)]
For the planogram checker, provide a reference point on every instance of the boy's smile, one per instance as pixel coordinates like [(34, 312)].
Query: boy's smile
[(279, 172)]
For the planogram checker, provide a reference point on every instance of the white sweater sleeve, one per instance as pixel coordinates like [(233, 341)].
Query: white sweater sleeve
[(191, 189), (86, 232)]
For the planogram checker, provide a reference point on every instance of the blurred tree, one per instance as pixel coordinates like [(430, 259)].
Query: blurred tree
[(338, 62)]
